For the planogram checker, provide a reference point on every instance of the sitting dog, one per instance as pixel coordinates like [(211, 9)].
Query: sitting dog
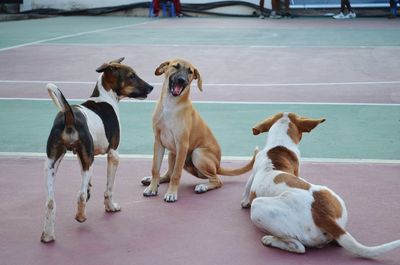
[(295, 212), (89, 129), (179, 128)]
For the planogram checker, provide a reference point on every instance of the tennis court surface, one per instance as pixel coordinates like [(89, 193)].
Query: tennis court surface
[(344, 71)]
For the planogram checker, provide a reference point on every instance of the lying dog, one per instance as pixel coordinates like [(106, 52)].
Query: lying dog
[(89, 129), (295, 212), (179, 128)]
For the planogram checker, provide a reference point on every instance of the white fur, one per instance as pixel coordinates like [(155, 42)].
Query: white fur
[(97, 131), (286, 213)]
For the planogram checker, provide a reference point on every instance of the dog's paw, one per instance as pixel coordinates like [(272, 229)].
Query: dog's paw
[(80, 217), (47, 238), (148, 192), (112, 207), (245, 204), (170, 197), (146, 180), (201, 188), (267, 240)]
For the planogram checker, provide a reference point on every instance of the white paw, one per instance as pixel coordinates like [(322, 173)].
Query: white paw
[(146, 180), (267, 240), (245, 204), (150, 192), (201, 188), (170, 197), (47, 238), (112, 207)]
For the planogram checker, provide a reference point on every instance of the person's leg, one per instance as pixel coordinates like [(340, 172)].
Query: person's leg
[(261, 6), (177, 6), (156, 7)]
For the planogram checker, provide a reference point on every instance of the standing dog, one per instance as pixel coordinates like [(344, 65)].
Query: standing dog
[(295, 212), (179, 128), (89, 129)]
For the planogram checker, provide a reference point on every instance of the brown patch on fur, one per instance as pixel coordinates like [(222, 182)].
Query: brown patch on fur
[(325, 209), (292, 181), (252, 196), (284, 159)]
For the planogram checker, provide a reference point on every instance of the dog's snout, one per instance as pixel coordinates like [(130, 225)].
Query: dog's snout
[(181, 80)]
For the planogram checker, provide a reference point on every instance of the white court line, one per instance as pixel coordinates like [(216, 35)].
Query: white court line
[(220, 84), (71, 35), (224, 158), (226, 102)]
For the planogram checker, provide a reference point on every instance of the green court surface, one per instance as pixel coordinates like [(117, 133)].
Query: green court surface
[(350, 131), (191, 31)]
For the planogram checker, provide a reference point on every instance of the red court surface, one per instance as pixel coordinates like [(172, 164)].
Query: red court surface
[(208, 228)]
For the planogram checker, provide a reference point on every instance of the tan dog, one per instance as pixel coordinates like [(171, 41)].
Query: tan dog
[(179, 128)]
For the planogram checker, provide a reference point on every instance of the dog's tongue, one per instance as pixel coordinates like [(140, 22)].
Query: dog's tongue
[(177, 89)]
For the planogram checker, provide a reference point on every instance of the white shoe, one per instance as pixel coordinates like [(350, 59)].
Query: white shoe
[(352, 15), (274, 15), (340, 16)]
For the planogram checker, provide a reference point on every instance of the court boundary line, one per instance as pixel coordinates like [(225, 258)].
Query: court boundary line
[(72, 35), (224, 158), (227, 102), (221, 84), (227, 46)]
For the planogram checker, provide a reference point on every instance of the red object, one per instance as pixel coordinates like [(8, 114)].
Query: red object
[(156, 7)]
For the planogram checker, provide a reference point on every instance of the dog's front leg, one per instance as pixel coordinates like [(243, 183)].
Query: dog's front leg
[(248, 196), (112, 164), (172, 192), (158, 156)]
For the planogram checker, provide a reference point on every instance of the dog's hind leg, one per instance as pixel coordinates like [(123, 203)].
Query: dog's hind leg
[(112, 164), (206, 164), (83, 195), (288, 244), (51, 167)]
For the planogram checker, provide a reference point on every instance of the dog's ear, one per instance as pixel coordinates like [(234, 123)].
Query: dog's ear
[(199, 80), (119, 60), (104, 66), (265, 125), (305, 124), (161, 69)]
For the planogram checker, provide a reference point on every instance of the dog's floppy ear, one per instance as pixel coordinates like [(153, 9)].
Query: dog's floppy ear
[(306, 124), (161, 69), (104, 66), (265, 125), (199, 80)]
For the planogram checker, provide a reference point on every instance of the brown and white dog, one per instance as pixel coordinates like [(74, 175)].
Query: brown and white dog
[(295, 212), (89, 129), (179, 128)]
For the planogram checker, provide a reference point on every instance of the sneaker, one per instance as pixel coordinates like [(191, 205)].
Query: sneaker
[(274, 15), (340, 16), (351, 15), (287, 15)]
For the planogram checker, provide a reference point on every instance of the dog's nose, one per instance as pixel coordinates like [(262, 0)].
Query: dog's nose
[(181, 80), (149, 88)]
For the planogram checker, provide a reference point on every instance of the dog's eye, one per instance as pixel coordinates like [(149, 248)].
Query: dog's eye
[(177, 66), (132, 76), (190, 71)]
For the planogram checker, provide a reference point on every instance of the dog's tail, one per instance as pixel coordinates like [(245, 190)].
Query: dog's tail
[(62, 104), (348, 242), (239, 171)]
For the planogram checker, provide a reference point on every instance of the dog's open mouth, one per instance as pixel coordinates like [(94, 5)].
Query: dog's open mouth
[(177, 86)]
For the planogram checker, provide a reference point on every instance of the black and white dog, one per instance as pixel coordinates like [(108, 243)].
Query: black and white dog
[(89, 129)]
